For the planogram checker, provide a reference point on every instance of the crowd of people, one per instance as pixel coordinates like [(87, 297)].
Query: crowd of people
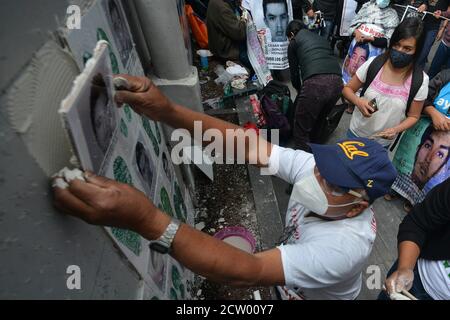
[(330, 223)]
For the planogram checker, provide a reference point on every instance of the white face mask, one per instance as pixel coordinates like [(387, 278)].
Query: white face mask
[(383, 3), (310, 194)]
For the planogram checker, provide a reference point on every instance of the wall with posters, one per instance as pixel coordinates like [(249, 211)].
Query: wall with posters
[(39, 246)]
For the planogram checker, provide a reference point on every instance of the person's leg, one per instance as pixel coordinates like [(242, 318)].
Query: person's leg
[(328, 29), (331, 91), (439, 59), (309, 105), (430, 36)]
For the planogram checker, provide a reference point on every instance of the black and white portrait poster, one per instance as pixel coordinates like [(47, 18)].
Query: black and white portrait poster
[(271, 18)]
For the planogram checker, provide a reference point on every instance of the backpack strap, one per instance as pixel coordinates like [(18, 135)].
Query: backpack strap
[(375, 67), (416, 83), (372, 71)]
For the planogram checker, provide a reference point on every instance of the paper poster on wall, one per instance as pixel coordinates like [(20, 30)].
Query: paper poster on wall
[(176, 285), (422, 160), (271, 19), (120, 30), (117, 142), (89, 112), (358, 53), (157, 269)]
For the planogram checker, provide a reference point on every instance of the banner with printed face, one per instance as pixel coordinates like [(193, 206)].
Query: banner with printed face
[(358, 53), (271, 18), (422, 160)]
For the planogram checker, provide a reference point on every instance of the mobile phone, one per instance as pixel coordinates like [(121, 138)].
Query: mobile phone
[(374, 105)]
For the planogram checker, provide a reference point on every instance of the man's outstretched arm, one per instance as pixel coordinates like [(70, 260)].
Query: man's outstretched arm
[(146, 99), (102, 201)]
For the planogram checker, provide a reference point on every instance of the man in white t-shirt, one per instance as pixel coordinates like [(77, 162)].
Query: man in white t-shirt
[(330, 227)]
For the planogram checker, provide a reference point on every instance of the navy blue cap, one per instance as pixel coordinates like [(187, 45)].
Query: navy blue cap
[(356, 163)]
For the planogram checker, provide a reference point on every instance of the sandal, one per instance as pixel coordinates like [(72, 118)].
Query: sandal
[(407, 206), (390, 196)]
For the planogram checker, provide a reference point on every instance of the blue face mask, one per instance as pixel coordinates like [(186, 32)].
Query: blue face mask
[(400, 59), (383, 3)]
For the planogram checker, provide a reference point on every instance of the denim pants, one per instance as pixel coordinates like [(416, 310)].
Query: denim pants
[(430, 36), (441, 59), (416, 290), (327, 31)]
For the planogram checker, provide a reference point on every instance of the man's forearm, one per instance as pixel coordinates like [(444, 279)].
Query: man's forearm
[(182, 117), (215, 259), (408, 253)]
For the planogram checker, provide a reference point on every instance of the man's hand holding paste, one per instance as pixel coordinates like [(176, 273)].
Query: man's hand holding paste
[(330, 226)]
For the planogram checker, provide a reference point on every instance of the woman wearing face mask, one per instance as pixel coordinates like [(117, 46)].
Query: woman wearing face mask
[(373, 25), (394, 97)]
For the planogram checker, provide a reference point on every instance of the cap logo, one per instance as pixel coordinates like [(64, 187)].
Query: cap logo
[(351, 150), (369, 183)]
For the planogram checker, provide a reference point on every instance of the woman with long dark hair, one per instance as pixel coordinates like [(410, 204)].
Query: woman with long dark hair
[(395, 90)]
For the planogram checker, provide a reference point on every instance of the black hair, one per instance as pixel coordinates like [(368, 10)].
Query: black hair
[(410, 28), (266, 2), (294, 27)]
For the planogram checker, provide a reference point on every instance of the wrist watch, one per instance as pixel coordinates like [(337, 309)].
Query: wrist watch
[(164, 243)]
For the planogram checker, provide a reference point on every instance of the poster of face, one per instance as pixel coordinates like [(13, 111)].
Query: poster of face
[(422, 160), (90, 113), (271, 18), (358, 53), (157, 269), (145, 166), (176, 286), (119, 27)]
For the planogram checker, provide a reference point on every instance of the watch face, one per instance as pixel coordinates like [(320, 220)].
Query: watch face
[(158, 247)]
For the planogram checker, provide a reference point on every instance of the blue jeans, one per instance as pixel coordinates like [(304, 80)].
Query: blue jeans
[(416, 290), (430, 36), (327, 31), (441, 59)]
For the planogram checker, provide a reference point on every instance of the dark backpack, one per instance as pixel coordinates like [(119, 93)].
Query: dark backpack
[(377, 64), (277, 106)]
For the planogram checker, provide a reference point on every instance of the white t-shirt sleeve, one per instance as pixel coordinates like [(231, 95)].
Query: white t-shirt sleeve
[(423, 90), (289, 164), (311, 266), (361, 73)]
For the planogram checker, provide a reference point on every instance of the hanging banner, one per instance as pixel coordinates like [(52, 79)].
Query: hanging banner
[(271, 19), (256, 54)]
